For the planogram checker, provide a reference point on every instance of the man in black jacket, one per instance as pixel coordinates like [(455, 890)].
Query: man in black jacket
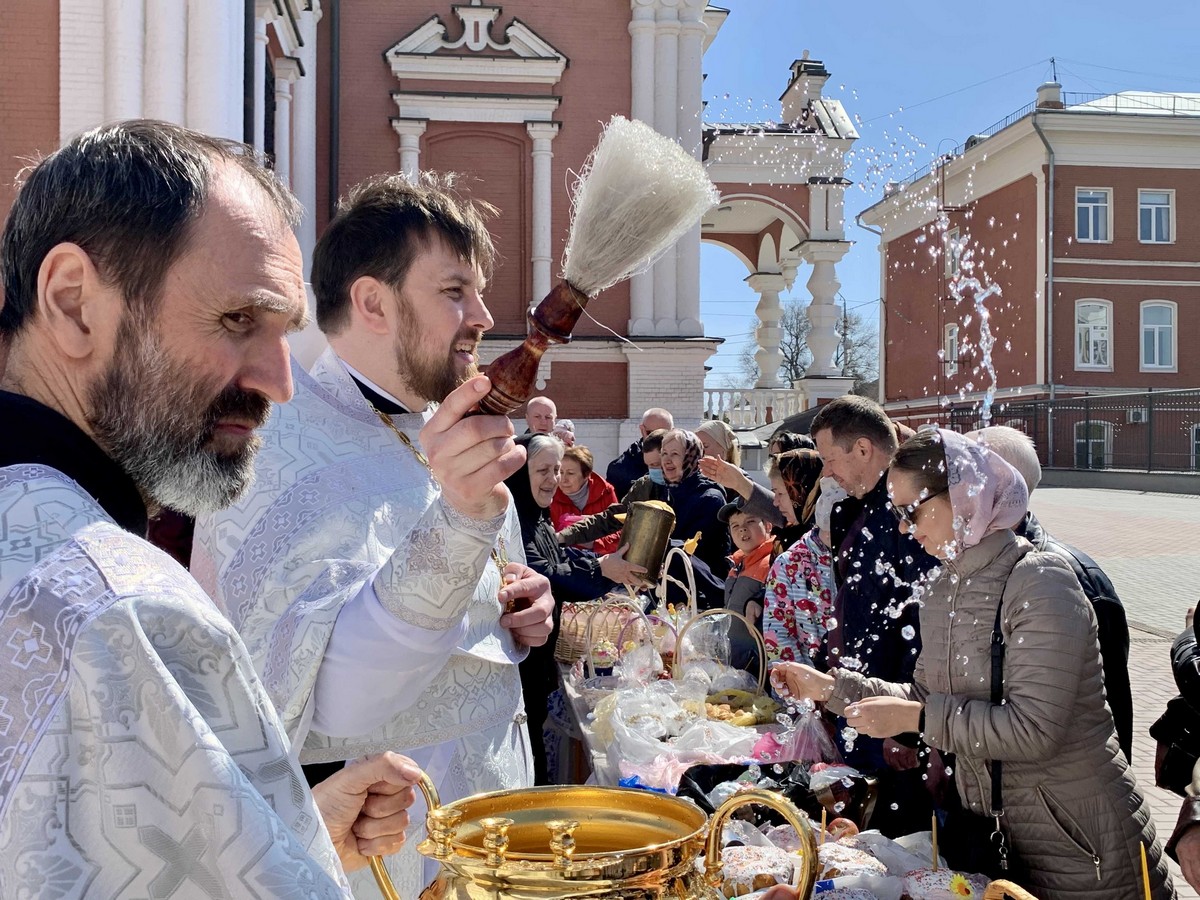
[(629, 467), (875, 569), (1018, 450)]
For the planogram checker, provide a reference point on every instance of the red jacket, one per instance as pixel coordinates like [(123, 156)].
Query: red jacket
[(600, 497)]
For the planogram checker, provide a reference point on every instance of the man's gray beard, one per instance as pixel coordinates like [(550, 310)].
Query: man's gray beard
[(152, 417)]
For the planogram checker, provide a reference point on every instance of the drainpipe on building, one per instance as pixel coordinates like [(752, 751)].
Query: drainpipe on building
[(335, 101), (882, 310), (1049, 96)]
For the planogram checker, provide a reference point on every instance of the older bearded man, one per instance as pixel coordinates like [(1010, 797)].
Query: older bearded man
[(365, 567), (150, 278)]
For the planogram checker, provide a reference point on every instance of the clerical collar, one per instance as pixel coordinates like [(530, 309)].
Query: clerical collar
[(375, 395), (40, 435)]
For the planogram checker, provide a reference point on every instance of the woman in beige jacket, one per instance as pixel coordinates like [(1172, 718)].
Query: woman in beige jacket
[(1073, 815)]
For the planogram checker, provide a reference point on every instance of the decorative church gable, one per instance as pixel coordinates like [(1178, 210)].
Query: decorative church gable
[(522, 57)]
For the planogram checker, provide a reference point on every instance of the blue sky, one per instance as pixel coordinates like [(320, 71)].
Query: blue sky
[(912, 72)]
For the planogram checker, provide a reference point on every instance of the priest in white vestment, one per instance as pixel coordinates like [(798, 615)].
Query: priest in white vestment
[(139, 754), (363, 567)]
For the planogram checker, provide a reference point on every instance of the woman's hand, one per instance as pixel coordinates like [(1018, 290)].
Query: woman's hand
[(727, 475), (616, 568), (883, 717), (803, 682), (1188, 851)]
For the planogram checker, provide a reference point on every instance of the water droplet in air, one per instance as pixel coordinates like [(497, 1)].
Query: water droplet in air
[(908, 632)]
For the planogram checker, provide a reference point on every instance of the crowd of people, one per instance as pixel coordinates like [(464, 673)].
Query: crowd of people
[(376, 570)]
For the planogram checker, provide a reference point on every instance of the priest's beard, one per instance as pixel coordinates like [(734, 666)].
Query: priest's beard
[(158, 421), (426, 373)]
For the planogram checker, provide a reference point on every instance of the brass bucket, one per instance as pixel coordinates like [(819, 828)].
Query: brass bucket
[(602, 843), (647, 532)]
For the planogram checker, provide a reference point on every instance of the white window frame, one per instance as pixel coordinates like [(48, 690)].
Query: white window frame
[(1081, 366), (1108, 209), (953, 253), (1107, 428), (1170, 192), (951, 360), (1174, 326)]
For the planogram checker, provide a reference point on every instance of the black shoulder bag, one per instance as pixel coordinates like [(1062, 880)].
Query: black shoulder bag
[(973, 842)]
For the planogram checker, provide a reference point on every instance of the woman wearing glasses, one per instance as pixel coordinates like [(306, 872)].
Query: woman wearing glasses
[(1073, 818)]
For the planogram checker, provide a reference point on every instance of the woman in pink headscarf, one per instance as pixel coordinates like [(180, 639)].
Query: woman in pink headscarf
[(1073, 818)]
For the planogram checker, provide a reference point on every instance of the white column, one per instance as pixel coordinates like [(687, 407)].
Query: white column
[(769, 311), (666, 68), (210, 70), (823, 311), (304, 133), (287, 70), (410, 131), (259, 135), (641, 33), (690, 109), (666, 121), (543, 156), (165, 90), (124, 37)]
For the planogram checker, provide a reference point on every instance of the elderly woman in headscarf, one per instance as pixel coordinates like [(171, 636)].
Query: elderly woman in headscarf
[(719, 441), (1072, 815), (696, 501), (575, 575)]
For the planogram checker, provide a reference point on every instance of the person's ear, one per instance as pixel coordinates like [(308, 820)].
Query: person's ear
[(369, 302), (77, 309), (864, 447)]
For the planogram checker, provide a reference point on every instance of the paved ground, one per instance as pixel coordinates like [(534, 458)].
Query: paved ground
[(1149, 544)]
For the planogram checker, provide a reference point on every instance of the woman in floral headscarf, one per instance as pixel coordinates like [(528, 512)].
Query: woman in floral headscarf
[(1072, 814), (695, 500)]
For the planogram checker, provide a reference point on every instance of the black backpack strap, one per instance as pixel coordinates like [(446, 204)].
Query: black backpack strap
[(997, 698)]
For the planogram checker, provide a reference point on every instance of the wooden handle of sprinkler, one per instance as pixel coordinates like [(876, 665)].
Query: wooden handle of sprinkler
[(514, 374)]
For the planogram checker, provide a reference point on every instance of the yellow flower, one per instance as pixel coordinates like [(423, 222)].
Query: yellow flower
[(960, 887)]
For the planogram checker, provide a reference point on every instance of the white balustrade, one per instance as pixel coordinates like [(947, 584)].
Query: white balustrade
[(745, 408)]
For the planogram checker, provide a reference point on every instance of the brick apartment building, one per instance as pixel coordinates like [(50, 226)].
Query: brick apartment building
[(513, 97), (1084, 210)]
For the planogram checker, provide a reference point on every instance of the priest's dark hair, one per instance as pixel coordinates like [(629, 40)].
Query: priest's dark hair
[(129, 195), (380, 225)]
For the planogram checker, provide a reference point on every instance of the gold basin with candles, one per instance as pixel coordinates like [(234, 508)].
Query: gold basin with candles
[(597, 842)]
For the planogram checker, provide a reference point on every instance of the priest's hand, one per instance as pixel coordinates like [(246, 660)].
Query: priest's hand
[(529, 604), (471, 456), (883, 717), (365, 806)]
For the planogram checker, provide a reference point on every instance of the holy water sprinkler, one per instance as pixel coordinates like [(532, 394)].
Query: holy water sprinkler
[(636, 196)]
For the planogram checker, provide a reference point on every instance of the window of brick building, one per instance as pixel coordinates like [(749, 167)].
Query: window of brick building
[(953, 252), (1158, 335), (1093, 214), (1093, 330), (950, 350), (1196, 446), (1156, 217)]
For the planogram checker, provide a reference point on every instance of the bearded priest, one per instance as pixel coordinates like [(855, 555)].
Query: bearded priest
[(150, 279), (375, 569)]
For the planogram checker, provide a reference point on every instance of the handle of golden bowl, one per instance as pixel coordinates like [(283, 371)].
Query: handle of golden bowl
[(382, 878), (809, 866)]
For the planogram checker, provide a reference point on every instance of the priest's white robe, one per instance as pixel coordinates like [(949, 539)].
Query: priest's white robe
[(139, 754), (342, 514)]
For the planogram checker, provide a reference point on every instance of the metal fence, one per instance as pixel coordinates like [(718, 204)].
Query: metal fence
[(1156, 431)]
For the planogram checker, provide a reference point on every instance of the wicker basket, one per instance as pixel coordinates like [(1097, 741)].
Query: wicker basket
[(611, 614), (594, 688), (1006, 890), (681, 658)]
